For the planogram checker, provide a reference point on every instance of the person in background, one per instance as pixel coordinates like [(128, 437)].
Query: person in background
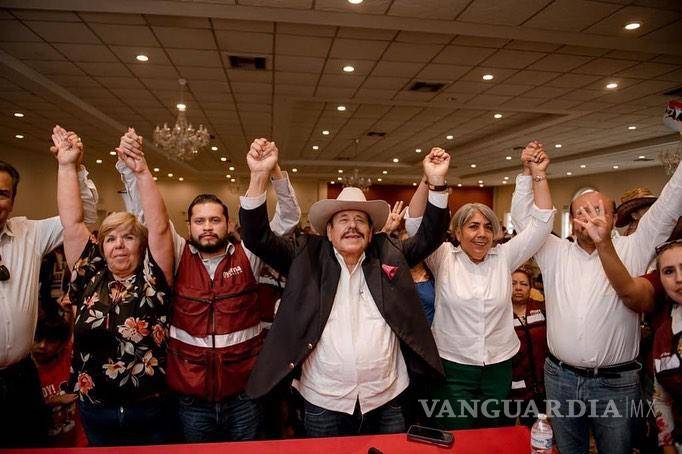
[(424, 283), (528, 384), (633, 204), (24, 419), (120, 287)]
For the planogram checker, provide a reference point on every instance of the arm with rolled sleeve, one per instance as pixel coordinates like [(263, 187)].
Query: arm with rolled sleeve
[(287, 211)]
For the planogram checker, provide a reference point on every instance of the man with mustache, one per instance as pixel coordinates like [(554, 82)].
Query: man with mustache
[(216, 330), (349, 326)]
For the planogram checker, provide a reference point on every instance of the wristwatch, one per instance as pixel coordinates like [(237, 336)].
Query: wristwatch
[(440, 187), (538, 178)]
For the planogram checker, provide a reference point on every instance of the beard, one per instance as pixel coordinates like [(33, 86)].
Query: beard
[(218, 246)]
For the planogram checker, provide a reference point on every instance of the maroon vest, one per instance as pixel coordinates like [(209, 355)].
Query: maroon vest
[(215, 332), (528, 363), (667, 355)]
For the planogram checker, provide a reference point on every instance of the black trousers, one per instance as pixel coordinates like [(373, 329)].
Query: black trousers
[(24, 417)]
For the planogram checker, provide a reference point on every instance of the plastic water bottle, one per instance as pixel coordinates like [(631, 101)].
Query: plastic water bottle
[(541, 436)]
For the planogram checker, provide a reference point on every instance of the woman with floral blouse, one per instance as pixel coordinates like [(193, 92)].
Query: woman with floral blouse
[(120, 286)]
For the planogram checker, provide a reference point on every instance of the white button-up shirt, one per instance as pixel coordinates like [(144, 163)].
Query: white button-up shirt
[(473, 321), (358, 357), (23, 243), (587, 323)]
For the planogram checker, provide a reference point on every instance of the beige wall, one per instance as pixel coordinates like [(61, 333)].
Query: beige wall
[(37, 193), (613, 184)]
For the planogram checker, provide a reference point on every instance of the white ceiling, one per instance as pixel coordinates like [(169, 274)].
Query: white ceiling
[(73, 63)]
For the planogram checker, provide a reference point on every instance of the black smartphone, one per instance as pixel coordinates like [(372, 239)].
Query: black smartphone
[(429, 435)]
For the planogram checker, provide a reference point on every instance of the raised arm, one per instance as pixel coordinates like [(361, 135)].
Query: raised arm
[(160, 234), (69, 203), (537, 160), (637, 293), (287, 211), (418, 201)]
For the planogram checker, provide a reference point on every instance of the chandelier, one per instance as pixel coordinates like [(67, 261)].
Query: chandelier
[(182, 141), (355, 180), (672, 119)]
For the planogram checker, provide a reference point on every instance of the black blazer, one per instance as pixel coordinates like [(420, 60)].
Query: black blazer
[(313, 273)]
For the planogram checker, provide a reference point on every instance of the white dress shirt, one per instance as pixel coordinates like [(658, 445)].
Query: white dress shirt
[(23, 243), (473, 322), (358, 357), (587, 323)]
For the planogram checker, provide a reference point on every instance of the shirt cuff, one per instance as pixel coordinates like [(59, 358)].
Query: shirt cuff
[(251, 203), (83, 174), (524, 184), (439, 199), (281, 186), (542, 214)]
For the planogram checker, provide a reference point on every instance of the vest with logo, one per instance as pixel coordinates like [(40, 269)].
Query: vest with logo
[(667, 354), (216, 330), (528, 363)]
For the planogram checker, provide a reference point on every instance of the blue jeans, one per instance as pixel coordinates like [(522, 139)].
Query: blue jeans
[(608, 411), (235, 418), (320, 422), (139, 423)]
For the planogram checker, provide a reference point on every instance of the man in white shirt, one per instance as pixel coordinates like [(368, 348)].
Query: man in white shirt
[(23, 243), (349, 326), (593, 336)]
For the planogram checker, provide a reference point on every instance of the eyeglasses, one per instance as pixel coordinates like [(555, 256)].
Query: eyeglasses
[(661, 247)]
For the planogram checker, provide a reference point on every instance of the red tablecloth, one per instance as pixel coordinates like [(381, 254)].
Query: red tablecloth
[(508, 440)]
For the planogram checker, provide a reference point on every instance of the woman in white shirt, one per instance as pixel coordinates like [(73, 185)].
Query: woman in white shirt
[(473, 321)]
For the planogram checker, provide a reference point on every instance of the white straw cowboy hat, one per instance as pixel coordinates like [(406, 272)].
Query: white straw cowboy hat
[(351, 198)]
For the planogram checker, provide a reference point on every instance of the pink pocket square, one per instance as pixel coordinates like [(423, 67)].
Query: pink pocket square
[(389, 270)]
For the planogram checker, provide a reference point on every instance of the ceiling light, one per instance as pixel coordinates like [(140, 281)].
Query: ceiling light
[(497, 115), (112, 153), (170, 175), (504, 181), (508, 158), (612, 85), (99, 161), (18, 114), (339, 178), (558, 145), (231, 168), (355, 2), (181, 106), (214, 148), (142, 57), (325, 133), (156, 169), (569, 173), (340, 108), (632, 127), (641, 157), (223, 158), (459, 185), (449, 137), (480, 181), (348, 69), (488, 77), (19, 136), (232, 180), (414, 184), (294, 170), (181, 179), (615, 167), (582, 166), (506, 178), (340, 170), (379, 179), (418, 150), (480, 185), (633, 25), (384, 172), (332, 182), (315, 147), (156, 178), (228, 176), (396, 160), (473, 166)]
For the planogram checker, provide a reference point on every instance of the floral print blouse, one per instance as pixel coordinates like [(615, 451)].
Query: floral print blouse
[(120, 330)]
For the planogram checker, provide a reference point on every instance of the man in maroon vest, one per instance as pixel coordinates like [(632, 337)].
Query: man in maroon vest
[(216, 330)]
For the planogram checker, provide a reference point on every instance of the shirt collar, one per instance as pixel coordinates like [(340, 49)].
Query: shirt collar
[(458, 250), (229, 249), (339, 257), (6, 230)]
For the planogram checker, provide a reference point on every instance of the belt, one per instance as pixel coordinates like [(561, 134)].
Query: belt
[(606, 371)]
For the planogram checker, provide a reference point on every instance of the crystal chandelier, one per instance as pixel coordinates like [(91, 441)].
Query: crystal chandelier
[(182, 141), (357, 181), (673, 120)]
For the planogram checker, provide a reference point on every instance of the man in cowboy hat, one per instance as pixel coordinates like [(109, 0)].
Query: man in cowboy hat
[(633, 205), (350, 329)]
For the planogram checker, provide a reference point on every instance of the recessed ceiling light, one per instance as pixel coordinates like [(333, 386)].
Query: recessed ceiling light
[(473, 166), (488, 77), (325, 133), (480, 181), (340, 108), (612, 85), (18, 114), (582, 166), (156, 169), (156, 178), (332, 182), (414, 184), (348, 69), (232, 180), (339, 178), (170, 175), (396, 160), (633, 25), (181, 179), (615, 167), (641, 157), (315, 147), (480, 185), (558, 145), (632, 127), (569, 173), (231, 168), (228, 176), (504, 181), (214, 148), (380, 179), (508, 158), (340, 170), (142, 57), (355, 2), (99, 161), (19, 136), (384, 172), (506, 178), (459, 185), (418, 150), (449, 137), (181, 107), (112, 153), (294, 170), (497, 115), (223, 158)]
